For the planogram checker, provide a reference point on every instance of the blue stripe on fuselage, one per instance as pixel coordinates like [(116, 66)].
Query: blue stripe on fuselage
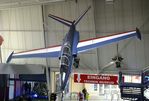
[(75, 43)]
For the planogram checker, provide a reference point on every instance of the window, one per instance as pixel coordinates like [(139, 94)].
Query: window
[(64, 61), (66, 50)]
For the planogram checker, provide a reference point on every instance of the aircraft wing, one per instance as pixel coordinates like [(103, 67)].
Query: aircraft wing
[(53, 51), (90, 44), (83, 46)]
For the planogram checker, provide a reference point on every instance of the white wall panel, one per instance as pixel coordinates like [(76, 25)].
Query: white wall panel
[(22, 29), (118, 16), (146, 46), (140, 54), (123, 15), (137, 13), (127, 14)]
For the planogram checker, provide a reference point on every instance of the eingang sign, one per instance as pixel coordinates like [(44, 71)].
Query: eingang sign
[(96, 79)]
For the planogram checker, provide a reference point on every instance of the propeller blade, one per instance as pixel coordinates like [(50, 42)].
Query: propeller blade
[(107, 66)]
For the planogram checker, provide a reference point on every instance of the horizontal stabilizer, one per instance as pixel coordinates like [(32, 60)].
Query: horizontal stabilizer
[(67, 22), (81, 16), (61, 20)]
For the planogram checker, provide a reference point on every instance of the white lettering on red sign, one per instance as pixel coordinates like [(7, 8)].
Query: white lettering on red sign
[(98, 77)]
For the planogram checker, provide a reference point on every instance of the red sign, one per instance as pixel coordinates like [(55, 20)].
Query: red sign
[(96, 79)]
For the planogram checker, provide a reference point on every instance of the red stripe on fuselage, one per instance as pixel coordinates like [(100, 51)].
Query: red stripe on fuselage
[(79, 41), (38, 49), (106, 36)]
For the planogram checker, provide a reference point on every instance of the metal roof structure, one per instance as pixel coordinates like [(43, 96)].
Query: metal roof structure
[(22, 29)]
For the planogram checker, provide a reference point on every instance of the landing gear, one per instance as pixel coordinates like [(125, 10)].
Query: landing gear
[(76, 62)]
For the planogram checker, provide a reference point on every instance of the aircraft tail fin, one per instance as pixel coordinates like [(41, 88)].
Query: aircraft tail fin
[(67, 22), (81, 16), (61, 20)]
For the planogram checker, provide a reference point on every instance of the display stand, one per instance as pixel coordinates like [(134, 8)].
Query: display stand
[(134, 91)]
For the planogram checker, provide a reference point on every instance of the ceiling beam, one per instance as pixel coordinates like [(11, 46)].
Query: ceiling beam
[(20, 3)]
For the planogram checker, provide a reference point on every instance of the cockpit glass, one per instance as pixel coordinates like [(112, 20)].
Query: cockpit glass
[(63, 76), (66, 50), (64, 61)]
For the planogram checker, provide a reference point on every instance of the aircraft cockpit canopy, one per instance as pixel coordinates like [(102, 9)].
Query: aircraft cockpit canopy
[(64, 60), (66, 50)]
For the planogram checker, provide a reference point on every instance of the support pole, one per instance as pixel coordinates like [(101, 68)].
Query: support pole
[(47, 69), (0, 55), (142, 87), (48, 81), (4, 77)]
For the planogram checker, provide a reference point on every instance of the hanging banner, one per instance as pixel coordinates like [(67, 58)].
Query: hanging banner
[(96, 79)]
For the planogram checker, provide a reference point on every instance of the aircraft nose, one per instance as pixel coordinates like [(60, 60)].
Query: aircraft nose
[(63, 76)]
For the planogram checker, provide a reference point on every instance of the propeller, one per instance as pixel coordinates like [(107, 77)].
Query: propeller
[(117, 60)]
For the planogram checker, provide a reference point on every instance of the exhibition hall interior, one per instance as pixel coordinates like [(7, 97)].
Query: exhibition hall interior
[(74, 50)]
